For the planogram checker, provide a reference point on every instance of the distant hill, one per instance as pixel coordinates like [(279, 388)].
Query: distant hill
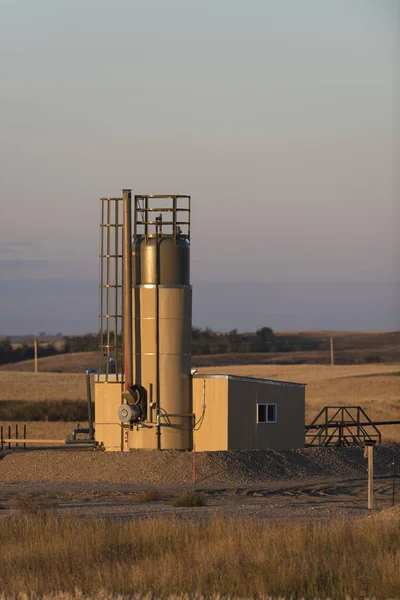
[(349, 348)]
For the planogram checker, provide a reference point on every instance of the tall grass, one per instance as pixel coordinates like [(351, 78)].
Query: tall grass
[(246, 559)]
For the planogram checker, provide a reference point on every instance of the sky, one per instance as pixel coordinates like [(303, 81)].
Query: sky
[(279, 117)]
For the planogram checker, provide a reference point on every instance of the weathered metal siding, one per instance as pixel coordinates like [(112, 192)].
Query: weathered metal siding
[(244, 433), (230, 418)]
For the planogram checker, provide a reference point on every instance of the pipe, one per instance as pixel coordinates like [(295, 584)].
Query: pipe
[(158, 277), (84, 441), (79, 430), (90, 431), (351, 424), (127, 288)]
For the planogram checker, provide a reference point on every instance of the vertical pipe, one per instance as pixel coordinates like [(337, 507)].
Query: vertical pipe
[(101, 286), (108, 283), (25, 435), (127, 288), (331, 350), (136, 326), (16, 434), (9, 437), (394, 480), (194, 464), (89, 402), (158, 240), (174, 218)]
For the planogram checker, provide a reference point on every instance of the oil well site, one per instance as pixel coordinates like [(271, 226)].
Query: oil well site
[(273, 441), (138, 459)]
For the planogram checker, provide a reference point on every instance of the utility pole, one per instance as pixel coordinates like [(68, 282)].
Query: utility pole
[(369, 454), (394, 480), (35, 354), (331, 348)]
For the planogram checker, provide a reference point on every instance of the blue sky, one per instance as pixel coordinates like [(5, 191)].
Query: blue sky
[(278, 117)]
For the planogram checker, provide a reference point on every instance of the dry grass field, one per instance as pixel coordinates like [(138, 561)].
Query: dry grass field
[(20, 385), (249, 559)]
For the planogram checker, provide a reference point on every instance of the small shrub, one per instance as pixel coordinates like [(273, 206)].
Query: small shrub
[(149, 496), (34, 505), (190, 498)]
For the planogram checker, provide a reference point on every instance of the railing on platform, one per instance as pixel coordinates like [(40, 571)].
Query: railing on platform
[(8, 437)]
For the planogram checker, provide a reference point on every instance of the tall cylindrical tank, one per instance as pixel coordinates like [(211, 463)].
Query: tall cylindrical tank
[(162, 326)]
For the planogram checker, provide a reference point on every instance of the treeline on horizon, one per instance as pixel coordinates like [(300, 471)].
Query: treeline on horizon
[(204, 342)]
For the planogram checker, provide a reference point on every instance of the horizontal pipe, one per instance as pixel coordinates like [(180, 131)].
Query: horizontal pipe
[(22, 440), (351, 424), (165, 415), (83, 441)]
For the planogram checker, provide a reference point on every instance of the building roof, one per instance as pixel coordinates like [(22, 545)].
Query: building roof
[(248, 379)]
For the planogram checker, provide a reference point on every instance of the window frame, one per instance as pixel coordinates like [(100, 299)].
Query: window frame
[(267, 404)]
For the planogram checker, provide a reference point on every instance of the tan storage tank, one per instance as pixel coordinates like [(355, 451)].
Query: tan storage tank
[(162, 326)]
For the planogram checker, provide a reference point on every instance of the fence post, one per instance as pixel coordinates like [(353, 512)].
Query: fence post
[(369, 454), (35, 354), (394, 480)]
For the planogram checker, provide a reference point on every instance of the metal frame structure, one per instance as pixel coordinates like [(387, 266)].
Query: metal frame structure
[(19, 442), (147, 226), (342, 426)]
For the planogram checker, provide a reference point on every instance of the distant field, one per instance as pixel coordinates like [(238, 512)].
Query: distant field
[(350, 348), (76, 362), (42, 386), (374, 387)]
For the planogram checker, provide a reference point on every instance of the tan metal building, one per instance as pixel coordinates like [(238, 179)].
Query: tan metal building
[(242, 413)]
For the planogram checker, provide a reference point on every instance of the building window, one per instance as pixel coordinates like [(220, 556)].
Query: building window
[(266, 413)]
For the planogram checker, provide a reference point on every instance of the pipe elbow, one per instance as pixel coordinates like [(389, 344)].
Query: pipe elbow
[(89, 371)]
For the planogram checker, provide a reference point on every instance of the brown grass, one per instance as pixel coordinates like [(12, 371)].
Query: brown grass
[(76, 362), (34, 505), (42, 386), (150, 495), (190, 499), (167, 557)]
